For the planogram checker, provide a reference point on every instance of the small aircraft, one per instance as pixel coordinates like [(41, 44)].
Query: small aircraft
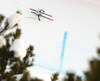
[(40, 13)]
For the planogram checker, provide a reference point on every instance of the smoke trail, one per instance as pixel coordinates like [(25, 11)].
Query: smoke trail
[(63, 49)]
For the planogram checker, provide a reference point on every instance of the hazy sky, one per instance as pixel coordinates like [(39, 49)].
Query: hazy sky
[(80, 18)]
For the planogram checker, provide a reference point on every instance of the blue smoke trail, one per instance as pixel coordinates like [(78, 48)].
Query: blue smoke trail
[(61, 59), (51, 69), (63, 49)]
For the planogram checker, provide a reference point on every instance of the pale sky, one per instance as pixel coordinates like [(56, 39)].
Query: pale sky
[(80, 18)]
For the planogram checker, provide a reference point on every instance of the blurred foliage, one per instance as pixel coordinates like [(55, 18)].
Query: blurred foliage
[(19, 12), (16, 66), (1, 18), (25, 77), (70, 76), (36, 79), (93, 73), (98, 50), (55, 77), (78, 78)]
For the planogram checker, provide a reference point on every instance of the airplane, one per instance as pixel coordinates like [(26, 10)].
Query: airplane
[(40, 13)]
